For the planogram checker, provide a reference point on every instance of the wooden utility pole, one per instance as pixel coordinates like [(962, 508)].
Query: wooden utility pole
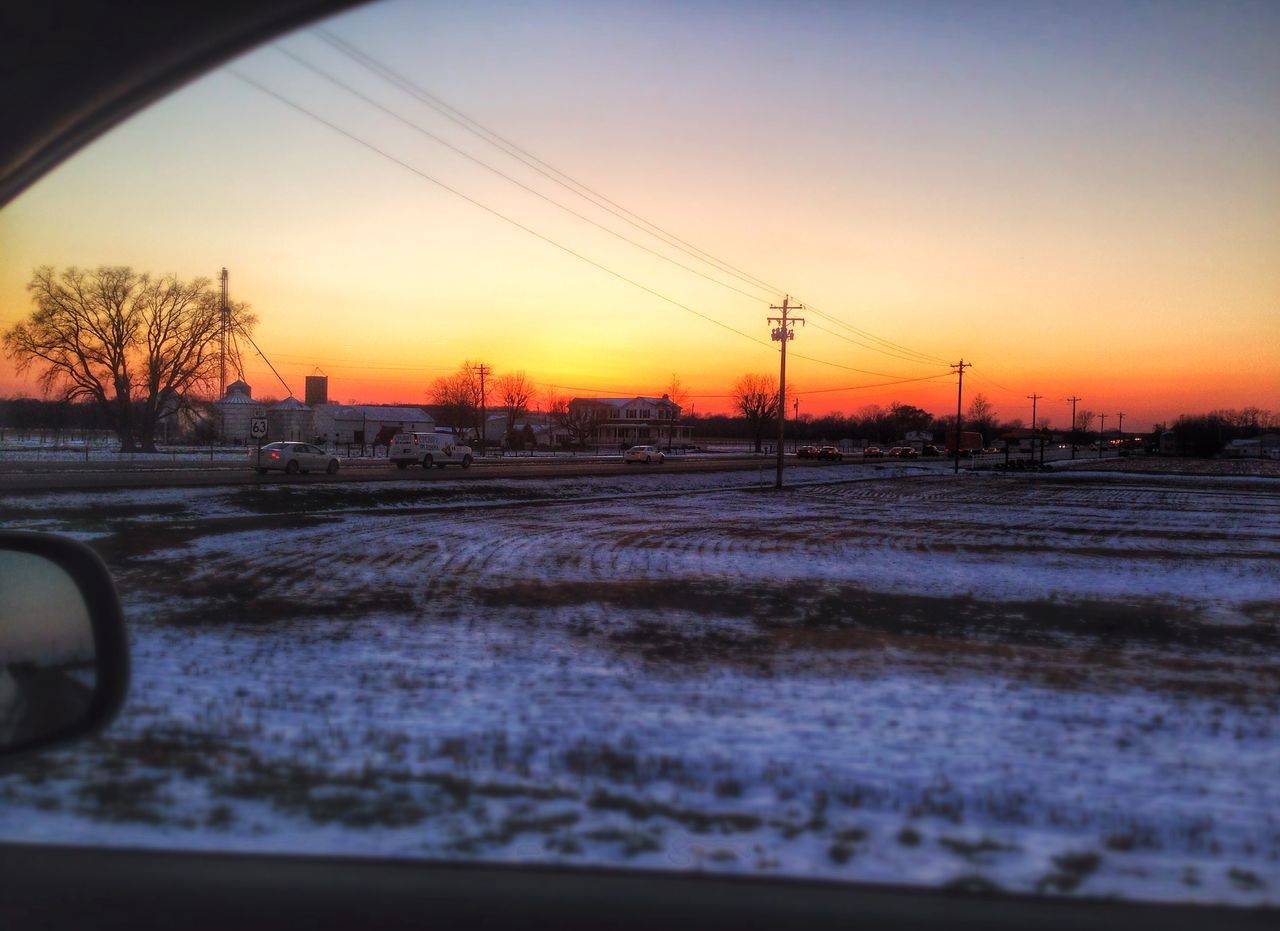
[(1102, 434), (959, 368), (482, 370), (1073, 425), (783, 333), (1033, 398)]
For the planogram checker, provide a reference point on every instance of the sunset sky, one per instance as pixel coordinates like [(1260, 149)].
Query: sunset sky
[(1079, 198)]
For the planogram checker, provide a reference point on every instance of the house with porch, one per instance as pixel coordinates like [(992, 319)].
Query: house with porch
[(631, 421)]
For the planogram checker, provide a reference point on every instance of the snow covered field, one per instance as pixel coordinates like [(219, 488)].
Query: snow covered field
[(1066, 684)]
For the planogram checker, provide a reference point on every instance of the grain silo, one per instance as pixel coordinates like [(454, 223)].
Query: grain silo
[(235, 412), (291, 420)]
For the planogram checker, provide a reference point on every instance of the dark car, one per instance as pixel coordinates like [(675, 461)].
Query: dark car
[(930, 451), (905, 452), (873, 452), (830, 452), (807, 452)]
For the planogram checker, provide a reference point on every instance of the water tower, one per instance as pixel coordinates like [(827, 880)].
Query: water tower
[(317, 390)]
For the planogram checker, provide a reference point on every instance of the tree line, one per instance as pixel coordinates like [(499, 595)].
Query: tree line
[(125, 350)]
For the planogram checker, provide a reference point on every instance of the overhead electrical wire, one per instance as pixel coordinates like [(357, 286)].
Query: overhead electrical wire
[(992, 381), (882, 384), (530, 160), (483, 164), (483, 206), (532, 232), (858, 342), (390, 75)]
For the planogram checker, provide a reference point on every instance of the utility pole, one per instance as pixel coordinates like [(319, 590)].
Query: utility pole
[(224, 324), (1073, 425), (959, 368), (482, 370), (1121, 426), (1102, 432), (1033, 398), (783, 333)]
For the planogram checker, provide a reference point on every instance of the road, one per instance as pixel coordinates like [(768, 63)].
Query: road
[(49, 476), (52, 475)]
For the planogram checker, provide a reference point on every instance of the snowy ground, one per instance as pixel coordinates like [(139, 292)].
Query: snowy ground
[(1066, 684)]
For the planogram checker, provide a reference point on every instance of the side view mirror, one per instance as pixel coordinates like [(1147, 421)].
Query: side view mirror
[(64, 659)]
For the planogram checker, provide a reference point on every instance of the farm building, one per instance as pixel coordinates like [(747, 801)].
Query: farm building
[(290, 419), (233, 413), (364, 423)]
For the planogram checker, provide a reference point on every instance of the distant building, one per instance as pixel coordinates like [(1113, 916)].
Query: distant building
[(968, 440), (635, 421), (363, 423), (1022, 439), (1266, 446)]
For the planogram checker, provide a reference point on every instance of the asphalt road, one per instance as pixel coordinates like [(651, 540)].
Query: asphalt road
[(48, 476)]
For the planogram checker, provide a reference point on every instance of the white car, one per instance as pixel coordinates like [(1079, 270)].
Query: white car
[(293, 458), (428, 449), (643, 454)]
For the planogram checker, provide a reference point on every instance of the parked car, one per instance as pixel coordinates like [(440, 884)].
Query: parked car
[(428, 449), (904, 452), (807, 452), (992, 450), (293, 458), (646, 454), (873, 452), (831, 453), (930, 451)]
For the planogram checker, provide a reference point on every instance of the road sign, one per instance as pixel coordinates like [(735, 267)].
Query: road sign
[(258, 429)]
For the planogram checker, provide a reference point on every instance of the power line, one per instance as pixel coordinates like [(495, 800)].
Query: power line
[(391, 76), (501, 174), (921, 356), (992, 381), (530, 160), (245, 333), (935, 379), (887, 352), (516, 223), (485, 207)]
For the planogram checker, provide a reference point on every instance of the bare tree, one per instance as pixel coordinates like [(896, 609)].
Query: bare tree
[(139, 347), (1084, 420), (677, 394), (580, 418), (454, 397), (756, 398), (516, 390), (981, 414)]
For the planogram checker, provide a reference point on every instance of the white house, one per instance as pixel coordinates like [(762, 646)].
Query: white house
[(632, 421)]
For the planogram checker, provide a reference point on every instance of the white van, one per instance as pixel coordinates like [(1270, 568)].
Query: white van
[(428, 449)]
